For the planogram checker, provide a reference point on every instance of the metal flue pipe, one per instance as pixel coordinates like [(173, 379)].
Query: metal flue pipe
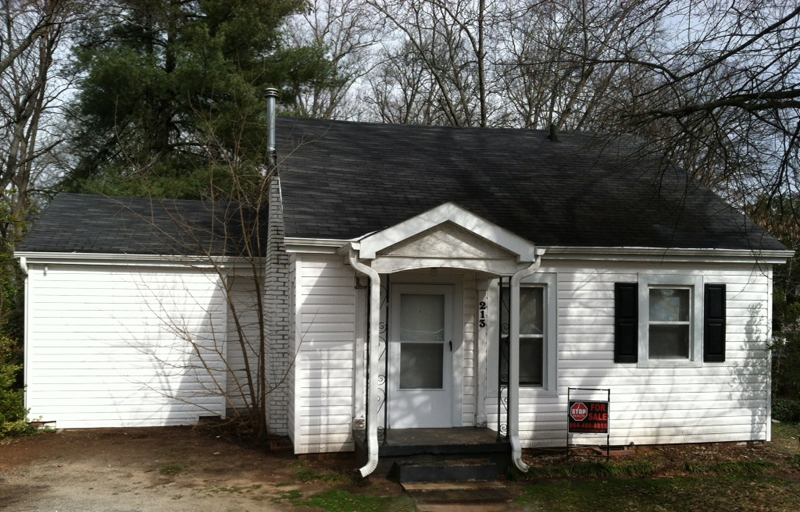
[(272, 96)]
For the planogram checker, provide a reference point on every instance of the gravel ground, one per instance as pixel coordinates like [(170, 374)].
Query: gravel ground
[(127, 470)]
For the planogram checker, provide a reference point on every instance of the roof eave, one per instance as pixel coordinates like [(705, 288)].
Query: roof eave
[(91, 258), (565, 253), (668, 255)]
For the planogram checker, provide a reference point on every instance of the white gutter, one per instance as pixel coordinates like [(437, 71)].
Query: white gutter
[(315, 245), (374, 364), (23, 264), (513, 366), (84, 258), (655, 254), (671, 255)]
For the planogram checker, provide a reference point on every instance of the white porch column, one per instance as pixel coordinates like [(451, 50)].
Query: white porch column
[(373, 328), (481, 351), (513, 366)]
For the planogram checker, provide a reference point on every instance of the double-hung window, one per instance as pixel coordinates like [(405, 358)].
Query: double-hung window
[(669, 320), (538, 322), (531, 334), (669, 323)]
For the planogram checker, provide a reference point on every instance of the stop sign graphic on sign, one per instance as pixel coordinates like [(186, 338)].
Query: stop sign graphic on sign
[(579, 411)]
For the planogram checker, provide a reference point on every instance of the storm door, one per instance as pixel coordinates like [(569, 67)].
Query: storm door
[(420, 356)]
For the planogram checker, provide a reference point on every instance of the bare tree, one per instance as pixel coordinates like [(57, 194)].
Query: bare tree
[(447, 41), (547, 61), (32, 33), (403, 92), (41, 16), (721, 96), (347, 32)]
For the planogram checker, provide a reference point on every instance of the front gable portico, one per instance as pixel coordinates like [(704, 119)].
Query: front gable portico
[(446, 236), (423, 362)]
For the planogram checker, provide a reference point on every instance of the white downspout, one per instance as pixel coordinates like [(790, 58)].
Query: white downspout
[(23, 264), (374, 364), (513, 366)]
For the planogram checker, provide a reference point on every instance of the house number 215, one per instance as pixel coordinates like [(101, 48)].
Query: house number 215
[(482, 309)]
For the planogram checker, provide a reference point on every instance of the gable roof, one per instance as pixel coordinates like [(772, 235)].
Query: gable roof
[(123, 225), (343, 180)]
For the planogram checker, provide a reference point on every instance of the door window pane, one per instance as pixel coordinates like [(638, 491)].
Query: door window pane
[(421, 365), (421, 317)]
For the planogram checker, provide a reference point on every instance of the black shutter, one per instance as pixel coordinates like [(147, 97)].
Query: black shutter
[(626, 322), (714, 324)]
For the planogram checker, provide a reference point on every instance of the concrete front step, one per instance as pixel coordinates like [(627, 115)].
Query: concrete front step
[(457, 493), (458, 470)]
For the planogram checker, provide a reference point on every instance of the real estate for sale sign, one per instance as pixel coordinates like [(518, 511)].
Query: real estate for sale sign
[(588, 417)]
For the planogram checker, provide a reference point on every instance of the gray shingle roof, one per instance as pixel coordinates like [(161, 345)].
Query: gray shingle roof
[(119, 225), (344, 180)]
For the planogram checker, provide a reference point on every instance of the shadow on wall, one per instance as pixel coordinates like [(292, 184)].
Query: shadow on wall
[(752, 375), (179, 352)]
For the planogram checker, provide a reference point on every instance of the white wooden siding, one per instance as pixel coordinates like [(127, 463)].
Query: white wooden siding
[(291, 377), (244, 309), (711, 403), (324, 343), (113, 346), (468, 350)]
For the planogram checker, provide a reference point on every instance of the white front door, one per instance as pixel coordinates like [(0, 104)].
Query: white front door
[(421, 356)]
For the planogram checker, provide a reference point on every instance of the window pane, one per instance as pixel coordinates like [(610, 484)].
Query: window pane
[(421, 317), (531, 361), (669, 342), (421, 365), (505, 351), (505, 303), (669, 305), (531, 311)]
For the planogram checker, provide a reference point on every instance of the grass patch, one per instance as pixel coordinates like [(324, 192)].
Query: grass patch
[(652, 495), (306, 475), (170, 469), (292, 495), (693, 468), (742, 467), (635, 468), (786, 431), (337, 500)]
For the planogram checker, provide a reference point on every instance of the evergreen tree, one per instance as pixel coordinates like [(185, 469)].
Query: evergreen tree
[(169, 89)]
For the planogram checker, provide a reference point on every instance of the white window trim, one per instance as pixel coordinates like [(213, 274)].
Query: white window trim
[(695, 283), (549, 280)]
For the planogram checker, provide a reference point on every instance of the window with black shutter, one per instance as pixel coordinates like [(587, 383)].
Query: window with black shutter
[(714, 324), (626, 322)]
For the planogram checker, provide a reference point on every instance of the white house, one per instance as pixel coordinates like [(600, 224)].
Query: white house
[(414, 278)]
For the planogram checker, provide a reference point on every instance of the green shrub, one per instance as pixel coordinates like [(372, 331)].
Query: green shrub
[(786, 410), (13, 415)]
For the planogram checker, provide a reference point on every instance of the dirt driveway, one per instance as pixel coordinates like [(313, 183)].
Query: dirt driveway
[(176, 469)]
